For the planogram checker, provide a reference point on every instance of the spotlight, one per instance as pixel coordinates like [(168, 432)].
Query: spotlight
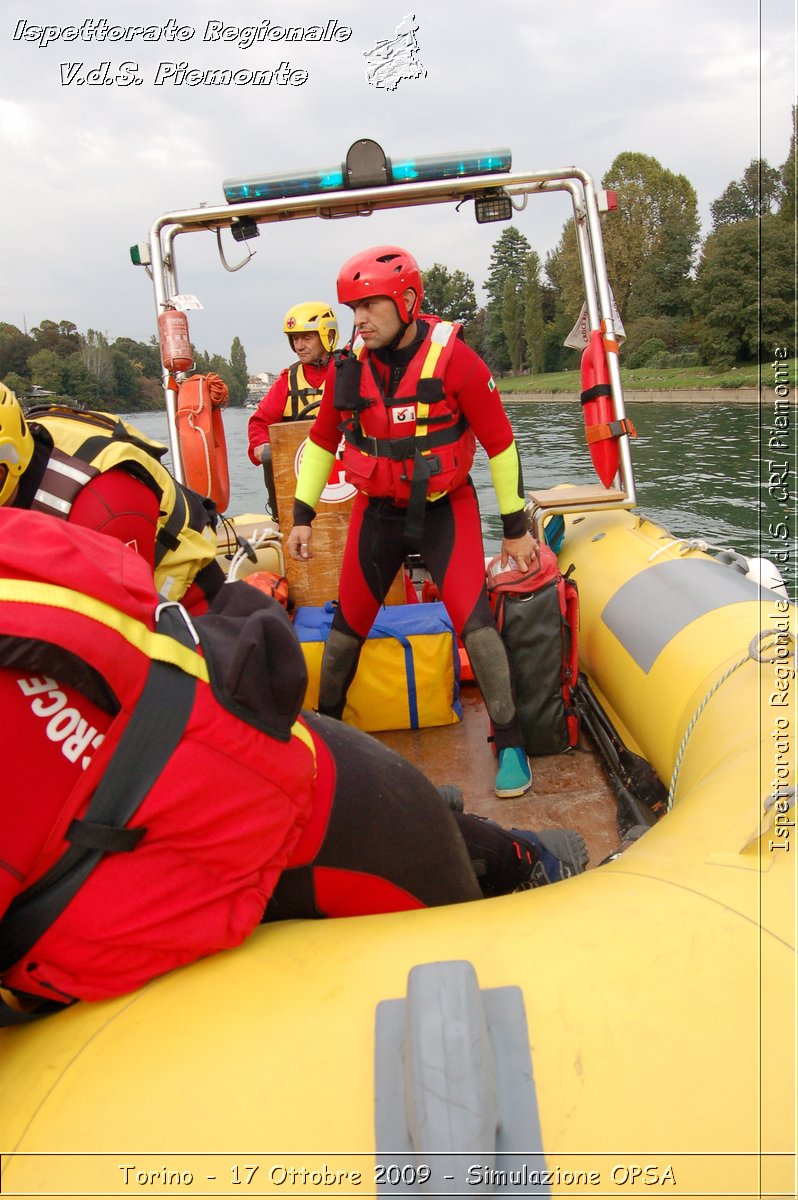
[(244, 228), (493, 208)]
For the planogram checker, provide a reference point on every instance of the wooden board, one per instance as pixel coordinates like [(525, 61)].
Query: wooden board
[(316, 581)]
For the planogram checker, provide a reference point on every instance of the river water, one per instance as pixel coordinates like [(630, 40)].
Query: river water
[(697, 469)]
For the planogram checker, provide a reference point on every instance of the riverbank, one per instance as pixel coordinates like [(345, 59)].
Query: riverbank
[(749, 383), (641, 396)]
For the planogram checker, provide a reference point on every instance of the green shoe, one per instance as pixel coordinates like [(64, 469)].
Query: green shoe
[(513, 777)]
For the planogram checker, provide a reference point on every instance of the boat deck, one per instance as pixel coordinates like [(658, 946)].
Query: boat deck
[(569, 789)]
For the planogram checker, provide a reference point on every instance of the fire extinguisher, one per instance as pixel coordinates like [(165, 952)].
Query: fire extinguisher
[(176, 352)]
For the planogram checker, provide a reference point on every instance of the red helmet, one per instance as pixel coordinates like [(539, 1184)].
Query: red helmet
[(382, 271)]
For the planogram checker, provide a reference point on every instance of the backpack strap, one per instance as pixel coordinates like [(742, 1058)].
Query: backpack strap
[(150, 737)]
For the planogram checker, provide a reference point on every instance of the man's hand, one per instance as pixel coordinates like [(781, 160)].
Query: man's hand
[(299, 542), (523, 550)]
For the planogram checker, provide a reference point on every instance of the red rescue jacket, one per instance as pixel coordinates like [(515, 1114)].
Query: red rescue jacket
[(418, 431), (223, 815)]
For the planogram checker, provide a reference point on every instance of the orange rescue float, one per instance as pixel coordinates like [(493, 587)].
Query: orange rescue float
[(601, 428), (200, 435)]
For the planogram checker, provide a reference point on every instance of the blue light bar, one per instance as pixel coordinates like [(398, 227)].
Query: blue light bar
[(425, 169), (450, 166), (279, 187)]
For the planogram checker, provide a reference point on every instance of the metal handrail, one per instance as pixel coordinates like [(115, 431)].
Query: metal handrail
[(365, 200)]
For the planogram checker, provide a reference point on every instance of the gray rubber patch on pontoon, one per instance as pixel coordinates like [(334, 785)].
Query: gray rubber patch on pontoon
[(646, 613)]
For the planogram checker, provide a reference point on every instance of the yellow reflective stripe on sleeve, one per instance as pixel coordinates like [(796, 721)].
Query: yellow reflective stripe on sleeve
[(154, 645), (505, 472), (313, 473)]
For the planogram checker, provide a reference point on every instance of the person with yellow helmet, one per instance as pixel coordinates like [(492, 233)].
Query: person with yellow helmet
[(16, 444), (93, 469), (312, 331)]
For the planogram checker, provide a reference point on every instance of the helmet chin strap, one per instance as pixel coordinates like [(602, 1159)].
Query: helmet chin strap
[(403, 328)]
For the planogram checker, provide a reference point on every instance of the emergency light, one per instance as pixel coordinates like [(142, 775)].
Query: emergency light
[(425, 168)]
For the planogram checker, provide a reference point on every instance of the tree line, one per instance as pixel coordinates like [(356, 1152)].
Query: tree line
[(684, 302), (119, 376)]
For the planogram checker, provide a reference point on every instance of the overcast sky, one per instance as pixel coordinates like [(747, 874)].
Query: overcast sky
[(704, 86)]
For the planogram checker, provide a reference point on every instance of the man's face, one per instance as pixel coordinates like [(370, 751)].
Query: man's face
[(376, 320), (308, 347)]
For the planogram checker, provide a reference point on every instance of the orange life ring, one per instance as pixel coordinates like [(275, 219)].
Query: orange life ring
[(200, 435), (601, 428)]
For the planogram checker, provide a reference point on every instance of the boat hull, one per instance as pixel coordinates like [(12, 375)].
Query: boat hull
[(658, 992)]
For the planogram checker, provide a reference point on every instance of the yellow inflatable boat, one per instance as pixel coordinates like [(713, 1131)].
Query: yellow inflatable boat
[(628, 1032), (631, 1028)]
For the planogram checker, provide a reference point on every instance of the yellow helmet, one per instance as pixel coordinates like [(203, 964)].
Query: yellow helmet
[(16, 442), (313, 317)]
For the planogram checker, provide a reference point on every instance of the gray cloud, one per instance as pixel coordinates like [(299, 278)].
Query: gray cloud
[(86, 169)]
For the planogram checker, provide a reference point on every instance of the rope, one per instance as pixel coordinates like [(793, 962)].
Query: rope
[(688, 544), (754, 653), (206, 449), (258, 539)]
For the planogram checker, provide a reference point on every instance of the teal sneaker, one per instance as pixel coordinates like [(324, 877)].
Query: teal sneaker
[(513, 777)]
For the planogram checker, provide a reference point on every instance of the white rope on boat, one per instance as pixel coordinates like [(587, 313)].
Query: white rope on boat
[(259, 539), (192, 420), (754, 654), (687, 544)]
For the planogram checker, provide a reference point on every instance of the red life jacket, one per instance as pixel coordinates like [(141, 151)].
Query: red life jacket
[(219, 822), (419, 433)]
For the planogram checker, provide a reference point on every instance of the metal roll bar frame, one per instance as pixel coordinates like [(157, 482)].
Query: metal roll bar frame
[(365, 200)]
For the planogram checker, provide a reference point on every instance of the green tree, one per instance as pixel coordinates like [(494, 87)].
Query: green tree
[(449, 294), (221, 367), (476, 333), (240, 375), (95, 354), (82, 385), (512, 319), (650, 241), (507, 261), (745, 288), (126, 381), (758, 192), (564, 272), (47, 371), (202, 360), (645, 329), (17, 383), (62, 337), (145, 356), (534, 328), (15, 350)]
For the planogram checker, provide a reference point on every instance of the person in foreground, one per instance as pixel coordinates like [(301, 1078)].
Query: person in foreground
[(92, 469), (165, 794), (312, 331), (412, 400)]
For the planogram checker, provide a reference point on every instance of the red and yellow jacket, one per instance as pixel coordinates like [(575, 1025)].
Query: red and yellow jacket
[(292, 391), (445, 402), (77, 641)]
